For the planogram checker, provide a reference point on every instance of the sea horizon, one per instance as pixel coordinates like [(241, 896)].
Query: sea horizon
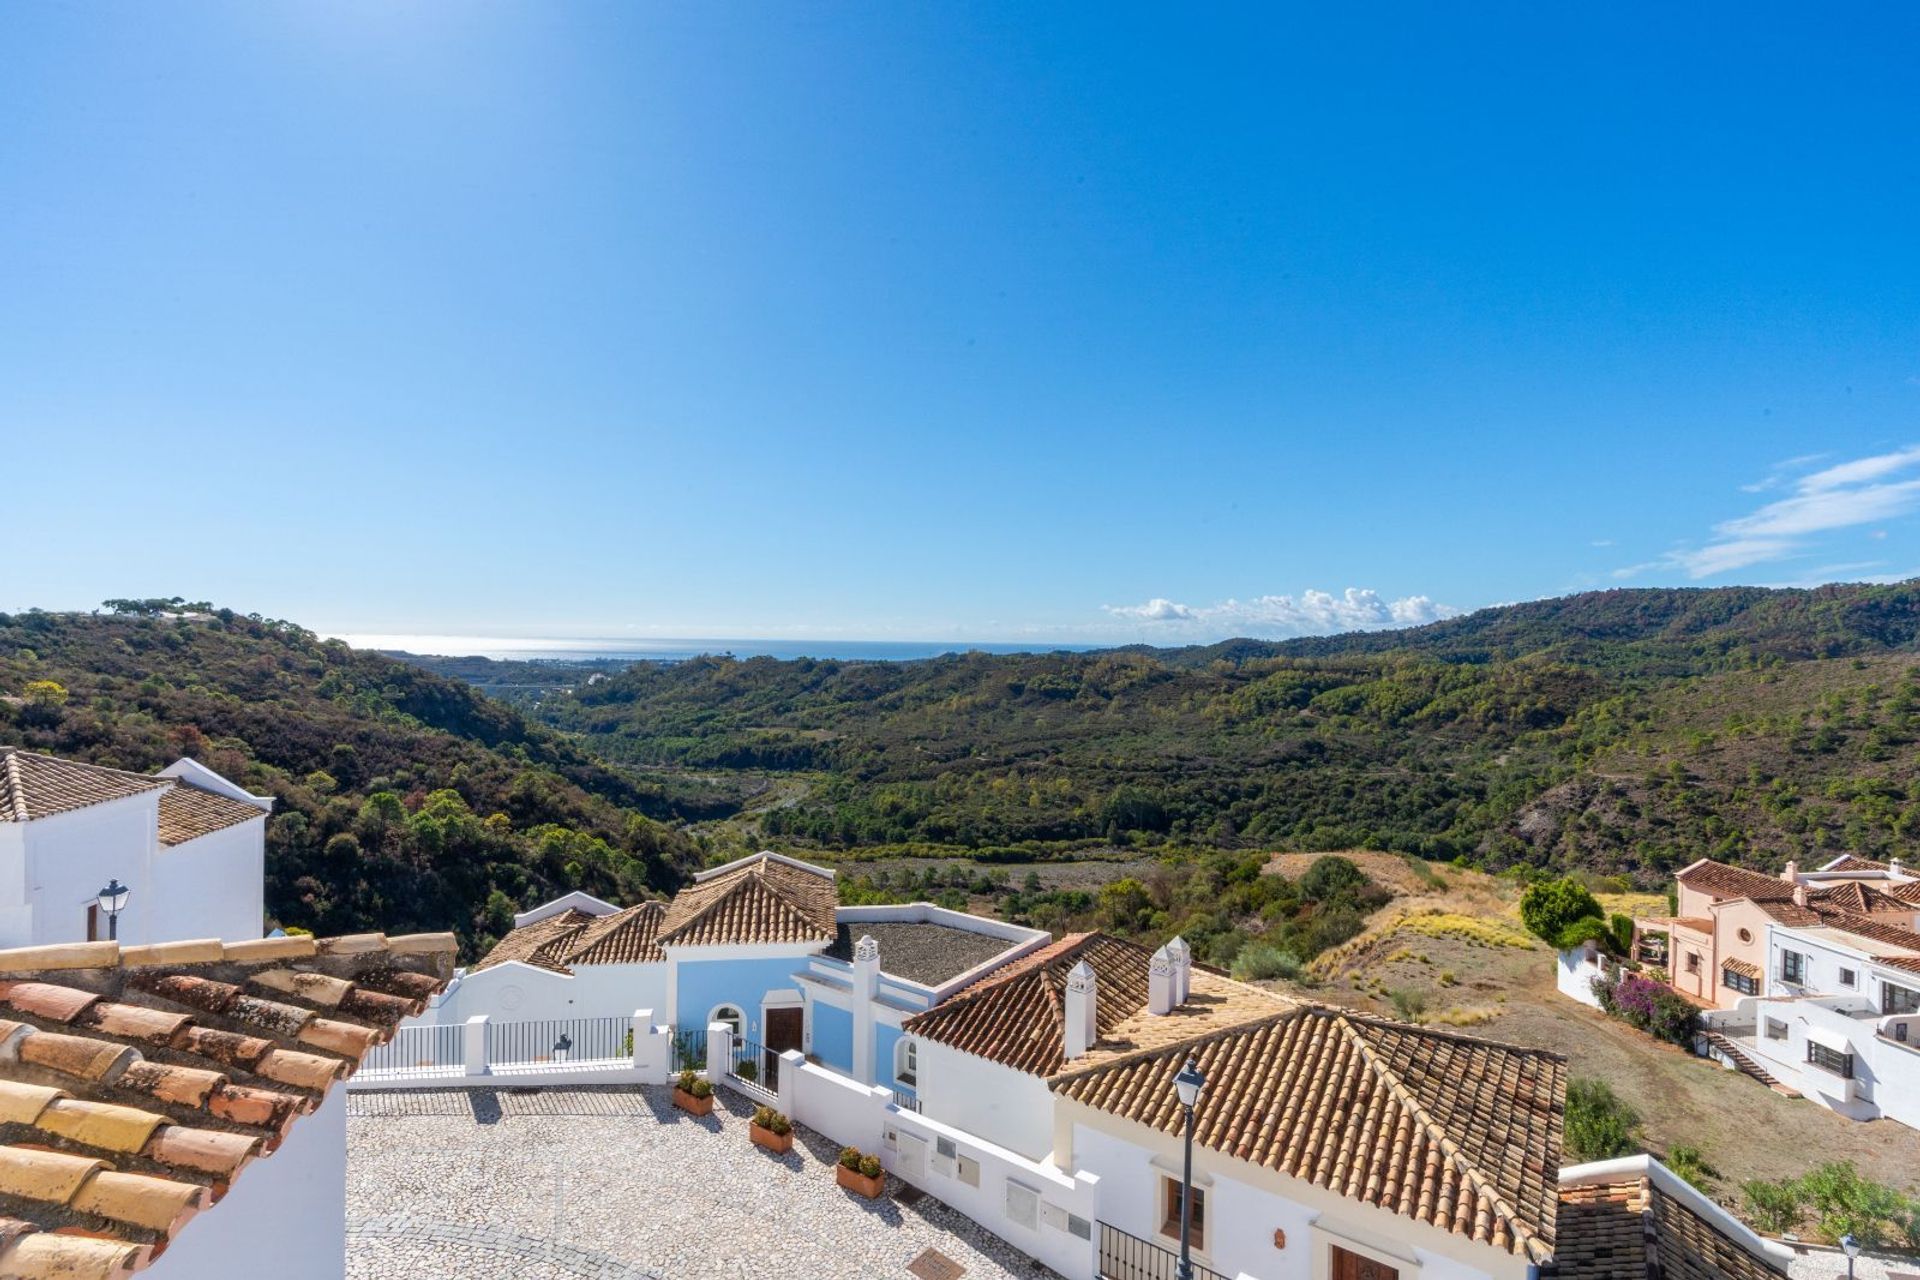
[(679, 649)]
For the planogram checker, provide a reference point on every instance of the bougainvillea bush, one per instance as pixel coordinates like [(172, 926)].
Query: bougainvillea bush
[(1653, 1007)]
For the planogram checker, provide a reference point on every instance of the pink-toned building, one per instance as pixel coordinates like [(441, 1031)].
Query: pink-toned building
[(1714, 947)]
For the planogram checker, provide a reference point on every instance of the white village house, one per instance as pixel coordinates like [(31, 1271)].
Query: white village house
[(1029, 1083), (188, 845)]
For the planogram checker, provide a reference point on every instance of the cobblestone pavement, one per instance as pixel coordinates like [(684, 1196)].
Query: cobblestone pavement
[(615, 1184)]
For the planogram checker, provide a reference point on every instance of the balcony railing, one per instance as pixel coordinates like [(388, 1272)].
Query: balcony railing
[(1128, 1257)]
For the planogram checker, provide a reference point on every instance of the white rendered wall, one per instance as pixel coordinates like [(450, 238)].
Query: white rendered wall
[(516, 992), (212, 887), (1243, 1215), (71, 856), (286, 1214), (1005, 1107), (1576, 971), (862, 1116)]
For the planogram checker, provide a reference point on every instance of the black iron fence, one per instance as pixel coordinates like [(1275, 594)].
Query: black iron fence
[(755, 1066), (1128, 1257), (687, 1050), (557, 1040)]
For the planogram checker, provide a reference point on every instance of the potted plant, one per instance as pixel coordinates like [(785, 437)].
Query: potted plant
[(692, 1094), (859, 1173), (771, 1130)]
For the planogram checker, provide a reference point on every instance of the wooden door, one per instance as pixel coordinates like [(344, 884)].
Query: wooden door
[(785, 1028), (1351, 1266)]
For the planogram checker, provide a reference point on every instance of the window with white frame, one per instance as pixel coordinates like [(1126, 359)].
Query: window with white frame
[(1898, 999), (1848, 978), (1776, 1029), (906, 1062)]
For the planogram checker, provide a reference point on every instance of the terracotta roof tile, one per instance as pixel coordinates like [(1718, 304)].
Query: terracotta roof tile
[(1724, 881), (106, 1153), (35, 786), (1851, 862), (529, 943), (1016, 1015), (187, 813), (765, 900), (1631, 1230), (1460, 1133), (625, 937)]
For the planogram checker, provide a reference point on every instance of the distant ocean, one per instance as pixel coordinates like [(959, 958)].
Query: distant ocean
[(522, 649)]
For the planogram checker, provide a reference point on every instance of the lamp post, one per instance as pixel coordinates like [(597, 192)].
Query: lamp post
[(1850, 1247), (1188, 1085), (113, 900)]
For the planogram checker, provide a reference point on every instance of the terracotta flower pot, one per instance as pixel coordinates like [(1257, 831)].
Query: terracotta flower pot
[(688, 1103), (778, 1143), (854, 1180)]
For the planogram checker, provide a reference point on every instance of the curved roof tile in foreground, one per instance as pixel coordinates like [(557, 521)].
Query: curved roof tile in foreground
[(136, 1083), (1460, 1133)]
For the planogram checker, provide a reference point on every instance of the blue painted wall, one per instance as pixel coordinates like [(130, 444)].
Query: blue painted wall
[(884, 1040), (833, 1036), (741, 983)]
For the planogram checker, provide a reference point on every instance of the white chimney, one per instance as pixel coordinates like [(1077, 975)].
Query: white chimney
[(1792, 874), (866, 985), (1799, 895), (1160, 983), (1082, 1002), (1894, 870), (1182, 957)]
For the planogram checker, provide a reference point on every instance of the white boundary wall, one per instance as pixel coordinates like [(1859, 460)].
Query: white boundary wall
[(648, 1065), (995, 1187)]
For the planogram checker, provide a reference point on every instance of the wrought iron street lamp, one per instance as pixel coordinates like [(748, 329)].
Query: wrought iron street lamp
[(113, 900), (1850, 1247), (1188, 1085)]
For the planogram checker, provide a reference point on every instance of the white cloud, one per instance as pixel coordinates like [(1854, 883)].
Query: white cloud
[(1841, 496), (1280, 616), (1157, 609)]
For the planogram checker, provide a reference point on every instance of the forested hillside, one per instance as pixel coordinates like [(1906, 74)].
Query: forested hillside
[(404, 800), (1623, 730)]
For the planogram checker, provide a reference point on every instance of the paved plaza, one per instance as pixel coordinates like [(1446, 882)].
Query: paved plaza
[(615, 1184)]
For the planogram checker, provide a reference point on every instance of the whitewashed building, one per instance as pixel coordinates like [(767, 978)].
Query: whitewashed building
[(188, 845)]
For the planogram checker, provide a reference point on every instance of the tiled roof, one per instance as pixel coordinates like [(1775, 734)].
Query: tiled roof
[(136, 1083), (1016, 1015), (765, 900), (625, 937), (1630, 1230), (1214, 1003), (1787, 911), (533, 944), (1878, 930), (1742, 967), (1906, 891), (574, 937), (187, 813), (1848, 862), (1723, 881), (1460, 1133), (36, 786)]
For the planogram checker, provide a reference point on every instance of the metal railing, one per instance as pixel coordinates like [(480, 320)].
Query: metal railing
[(437, 1047), (557, 1040), (906, 1101), (1128, 1257), (754, 1067), (687, 1049)]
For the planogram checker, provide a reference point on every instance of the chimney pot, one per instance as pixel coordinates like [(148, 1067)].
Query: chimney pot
[(1083, 994), (1182, 957), (1160, 983)]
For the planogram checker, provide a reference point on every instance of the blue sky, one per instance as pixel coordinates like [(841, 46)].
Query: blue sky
[(959, 321)]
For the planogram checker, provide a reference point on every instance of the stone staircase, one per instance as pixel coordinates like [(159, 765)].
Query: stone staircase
[(1732, 1052)]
